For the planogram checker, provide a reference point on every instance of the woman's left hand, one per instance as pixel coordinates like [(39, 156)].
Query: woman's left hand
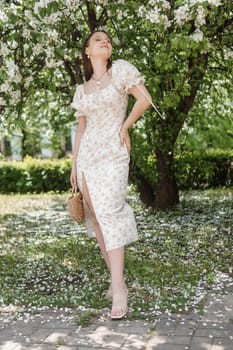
[(125, 138)]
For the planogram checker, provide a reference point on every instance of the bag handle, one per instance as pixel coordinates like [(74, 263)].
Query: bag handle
[(76, 191), (150, 100)]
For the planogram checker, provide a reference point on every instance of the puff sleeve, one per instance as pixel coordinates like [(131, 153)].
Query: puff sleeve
[(76, 104), (127, 75)]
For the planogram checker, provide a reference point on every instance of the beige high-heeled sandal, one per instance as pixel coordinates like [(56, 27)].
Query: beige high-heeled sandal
[(118, 299), (108, 294)]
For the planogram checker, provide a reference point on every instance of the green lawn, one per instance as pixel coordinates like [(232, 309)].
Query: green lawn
[(47, 260)]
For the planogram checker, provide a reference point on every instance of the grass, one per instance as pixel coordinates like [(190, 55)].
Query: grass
[(85, 318), (46, 260)]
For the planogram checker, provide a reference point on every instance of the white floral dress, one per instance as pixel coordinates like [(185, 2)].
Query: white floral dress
[(102, 160)]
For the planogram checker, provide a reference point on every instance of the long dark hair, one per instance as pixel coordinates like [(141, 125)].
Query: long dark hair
[(87, 66)]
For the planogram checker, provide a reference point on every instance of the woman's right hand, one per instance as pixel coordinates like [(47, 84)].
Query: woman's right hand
[(73, 177)]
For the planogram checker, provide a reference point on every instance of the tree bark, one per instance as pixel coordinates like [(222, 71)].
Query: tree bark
[(166, 192), (24, 148), (146, 191)]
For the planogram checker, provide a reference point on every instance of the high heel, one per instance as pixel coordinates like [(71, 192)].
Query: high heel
[(108, 294), (120, 316), (117, 299)]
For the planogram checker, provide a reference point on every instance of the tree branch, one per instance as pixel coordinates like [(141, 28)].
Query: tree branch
[(68, 68), (91, 17)]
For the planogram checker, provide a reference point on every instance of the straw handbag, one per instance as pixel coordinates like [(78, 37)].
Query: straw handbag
[(75, 205)]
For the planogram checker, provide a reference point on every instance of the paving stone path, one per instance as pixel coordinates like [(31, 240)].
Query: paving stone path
[(56, 329)]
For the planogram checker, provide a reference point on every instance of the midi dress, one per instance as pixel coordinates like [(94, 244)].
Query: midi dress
[(102, 160)]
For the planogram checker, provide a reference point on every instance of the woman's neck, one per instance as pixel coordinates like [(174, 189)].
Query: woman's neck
[(99, 67)]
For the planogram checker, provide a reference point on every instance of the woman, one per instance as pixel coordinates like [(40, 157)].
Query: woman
[(102, 153)]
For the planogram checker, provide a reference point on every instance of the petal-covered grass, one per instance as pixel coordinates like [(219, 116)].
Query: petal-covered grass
[(47, 260)]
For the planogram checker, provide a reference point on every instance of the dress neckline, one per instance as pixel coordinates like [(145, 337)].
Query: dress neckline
[(97, 91), (104, 88)]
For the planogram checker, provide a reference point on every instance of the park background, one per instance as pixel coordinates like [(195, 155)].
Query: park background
[(181, 169)]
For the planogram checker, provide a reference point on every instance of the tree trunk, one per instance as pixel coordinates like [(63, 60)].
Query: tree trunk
[(146, 192), (24, 148), (166, 192)]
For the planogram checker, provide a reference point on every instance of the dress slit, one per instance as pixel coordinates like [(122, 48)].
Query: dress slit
[(89, 206)]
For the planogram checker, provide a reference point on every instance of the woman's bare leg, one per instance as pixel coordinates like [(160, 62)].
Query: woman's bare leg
[(114, 260), (97, 229), (100, 241), (119, 303)]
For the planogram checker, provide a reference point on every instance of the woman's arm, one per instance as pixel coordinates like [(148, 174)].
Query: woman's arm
[(141, 105), (79, 133)]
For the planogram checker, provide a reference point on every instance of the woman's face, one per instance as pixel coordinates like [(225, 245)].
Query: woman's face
[(99, 45)]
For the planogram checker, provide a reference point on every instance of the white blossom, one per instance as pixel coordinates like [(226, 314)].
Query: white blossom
[(37, 49), (229, 54), (153, 15), (182, 15), (15, 96), (41, 4), (13, 9), (103, 2), (14, 44), (3, 16), (211, 2), (115, 40), (4, 50), (28, 81), (2, 101), (109, 13), (200, 19), (72, 4), (53, 34), (59, 63), (141, 11), (12, 68), (53, 63), (49, 53), (52, 19), (17, 78), (32, 20), (165, 5), (215, 2), (120, 14), (195, 2), (50, 59), (28, 14), (5, 87), (165, 21), (197, 35), (34, 23), (26, 33)]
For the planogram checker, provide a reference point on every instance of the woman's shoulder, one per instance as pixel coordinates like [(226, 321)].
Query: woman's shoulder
[(121, 62), (125, 74), (79, 87), (123, 67), (79, 90), (77, 95)]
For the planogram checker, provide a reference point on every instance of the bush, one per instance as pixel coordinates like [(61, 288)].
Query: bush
[(35, 176), (193, 171), (205, 170)]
